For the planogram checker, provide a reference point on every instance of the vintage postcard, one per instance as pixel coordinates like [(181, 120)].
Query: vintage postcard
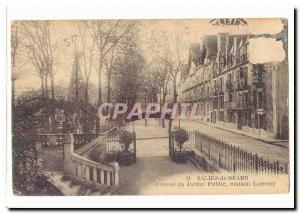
[(150, 107)]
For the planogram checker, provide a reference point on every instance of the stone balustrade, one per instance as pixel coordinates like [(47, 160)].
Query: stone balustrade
[(85, 170), (56, 139)]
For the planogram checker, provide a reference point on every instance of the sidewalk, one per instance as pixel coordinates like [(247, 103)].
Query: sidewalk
[(278, 142), (262, 148)]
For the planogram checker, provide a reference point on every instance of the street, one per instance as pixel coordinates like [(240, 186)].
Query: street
[(153, 163)]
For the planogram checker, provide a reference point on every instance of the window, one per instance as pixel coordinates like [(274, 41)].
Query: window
[(230, 97), (221, 116), (260, 99), (260, 121), (231, 118), (254, 95), (215, 102), (221, 99), (221, 84), (246, 119)]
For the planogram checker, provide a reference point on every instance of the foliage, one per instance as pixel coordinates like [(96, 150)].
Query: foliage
[(181, 136), (31, 116), (126, 139), (129, 69), (97, 155), (41, 181), (122, 157)]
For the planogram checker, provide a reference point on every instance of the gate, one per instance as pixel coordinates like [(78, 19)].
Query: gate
[(171, 146)]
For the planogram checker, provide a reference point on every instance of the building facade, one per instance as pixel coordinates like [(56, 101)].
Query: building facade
[(230, 91)]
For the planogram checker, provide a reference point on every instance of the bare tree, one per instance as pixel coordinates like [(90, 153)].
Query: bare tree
[(37, 41), (87, 53), (14, 47), (109, 62), (163, 79), (168, 49), (107, 34)]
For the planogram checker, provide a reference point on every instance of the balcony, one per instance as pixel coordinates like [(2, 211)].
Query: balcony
[(243, 103), (258, 83), (230, 105), (229, 86)]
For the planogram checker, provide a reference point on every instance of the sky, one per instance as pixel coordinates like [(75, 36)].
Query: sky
[(190, 30)]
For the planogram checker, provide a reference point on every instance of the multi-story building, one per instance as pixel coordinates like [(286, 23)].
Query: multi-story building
[(233, 92)]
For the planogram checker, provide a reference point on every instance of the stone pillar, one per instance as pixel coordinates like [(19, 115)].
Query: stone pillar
[(39, 157), (108, 178), (95, 174), (102, 176), (117, 168), (68, 140), (74, 169), (79, 168), (87, 173)]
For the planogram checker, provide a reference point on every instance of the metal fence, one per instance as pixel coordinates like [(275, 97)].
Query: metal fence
[(231, 157), (113, 142)]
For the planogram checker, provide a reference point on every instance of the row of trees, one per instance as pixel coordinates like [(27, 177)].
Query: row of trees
[(112, 49)]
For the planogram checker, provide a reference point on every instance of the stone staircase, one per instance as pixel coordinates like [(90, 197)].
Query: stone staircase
[(70, 187), (80, 175)]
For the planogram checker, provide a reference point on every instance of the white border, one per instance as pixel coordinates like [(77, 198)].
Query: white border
[(58, 9)]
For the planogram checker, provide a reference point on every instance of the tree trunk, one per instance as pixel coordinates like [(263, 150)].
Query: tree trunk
[(99, 92), (99, 80), (160, 104), (108, 86), (52, 87), (164, 100), (13, 94), (46, 86), (86, 93), (175, 101), (42, 86)]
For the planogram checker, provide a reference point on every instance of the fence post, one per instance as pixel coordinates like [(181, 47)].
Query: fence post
[(268, 166), (201, 141), (234, 159), (134, 144), (256, 163), (238, 166), (246, 161), (68, 148), (194, 143), (263, 164), (196, 140), (209, 149), (116, 173)]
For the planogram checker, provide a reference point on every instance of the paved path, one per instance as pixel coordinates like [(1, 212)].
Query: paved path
[(153, 163), (269, 151)]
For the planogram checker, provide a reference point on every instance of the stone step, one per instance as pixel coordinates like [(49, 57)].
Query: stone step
[(73, 188), (96, 193)]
